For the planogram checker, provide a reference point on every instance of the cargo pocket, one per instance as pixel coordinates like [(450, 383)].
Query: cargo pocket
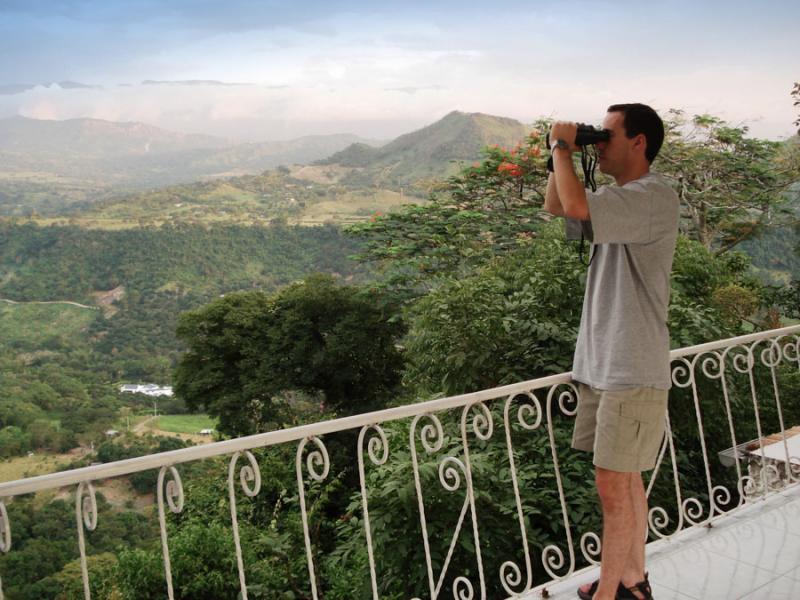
[(627, 438), (645, 426)]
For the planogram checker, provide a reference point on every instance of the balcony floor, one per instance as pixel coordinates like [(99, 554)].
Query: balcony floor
[(754, 554)]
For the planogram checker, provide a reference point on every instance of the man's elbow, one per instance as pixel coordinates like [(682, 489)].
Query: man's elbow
[(577, 210), (556, 211)]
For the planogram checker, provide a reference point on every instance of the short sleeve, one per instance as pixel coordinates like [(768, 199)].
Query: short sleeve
[(576, 229), (621, 215)]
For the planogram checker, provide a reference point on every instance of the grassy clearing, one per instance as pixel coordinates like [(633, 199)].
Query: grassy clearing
[(30, 466), (354, 206), (184, 423)]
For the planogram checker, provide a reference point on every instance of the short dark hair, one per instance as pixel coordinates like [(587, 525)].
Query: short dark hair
[(640, 118)]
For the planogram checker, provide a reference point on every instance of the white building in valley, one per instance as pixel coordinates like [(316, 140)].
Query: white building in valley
[(148, 389)]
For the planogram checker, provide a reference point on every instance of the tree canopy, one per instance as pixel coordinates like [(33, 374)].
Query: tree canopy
[(249, 351)]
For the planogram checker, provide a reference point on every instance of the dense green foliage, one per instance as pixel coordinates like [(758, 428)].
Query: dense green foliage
[(57, 263), (248, 352), (731, 186), (60, 359), (44, 544), (488, 209), (153, 274)]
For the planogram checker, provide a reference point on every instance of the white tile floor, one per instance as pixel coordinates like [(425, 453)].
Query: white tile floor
[(752, 554)]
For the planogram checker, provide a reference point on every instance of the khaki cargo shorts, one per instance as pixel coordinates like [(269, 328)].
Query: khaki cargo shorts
[(624, 428)]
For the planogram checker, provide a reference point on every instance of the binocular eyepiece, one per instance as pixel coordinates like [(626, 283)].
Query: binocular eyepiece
[(585, 136)]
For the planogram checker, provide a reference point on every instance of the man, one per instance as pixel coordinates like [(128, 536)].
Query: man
[(621, 362)]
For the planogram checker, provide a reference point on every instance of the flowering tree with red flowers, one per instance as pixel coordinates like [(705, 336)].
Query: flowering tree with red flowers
[(796, 96), (488, 209)]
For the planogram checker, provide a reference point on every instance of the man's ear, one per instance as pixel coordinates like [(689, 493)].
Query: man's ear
[(641, 140)]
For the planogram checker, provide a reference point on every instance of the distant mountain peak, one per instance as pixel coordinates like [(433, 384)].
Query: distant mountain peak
[(430, 152)]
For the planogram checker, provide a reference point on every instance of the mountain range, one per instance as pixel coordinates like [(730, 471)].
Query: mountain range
[(45, 165), (58, 167), (428, 153)]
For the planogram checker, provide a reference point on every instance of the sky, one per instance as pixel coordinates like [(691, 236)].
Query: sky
[(264, 70)]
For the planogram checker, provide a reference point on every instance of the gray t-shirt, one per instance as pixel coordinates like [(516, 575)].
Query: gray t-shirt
[(623, 339)]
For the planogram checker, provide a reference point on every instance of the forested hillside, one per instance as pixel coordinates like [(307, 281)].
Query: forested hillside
[(157, 273)]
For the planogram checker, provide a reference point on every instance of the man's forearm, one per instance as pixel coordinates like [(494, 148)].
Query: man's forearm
[(571, 193), (552, 203)]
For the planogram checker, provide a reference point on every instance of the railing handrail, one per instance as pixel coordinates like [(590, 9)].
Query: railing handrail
[(174, 457)]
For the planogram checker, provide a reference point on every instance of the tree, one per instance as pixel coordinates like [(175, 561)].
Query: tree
[(796, 96), (44, 435), (101, 583), (17, 412), (488, 209), (13, 441), (248, 351), (731, 186), (517, 318)]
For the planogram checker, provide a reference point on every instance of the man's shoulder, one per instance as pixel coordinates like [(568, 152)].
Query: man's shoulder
[(652, 184), (654, 181)]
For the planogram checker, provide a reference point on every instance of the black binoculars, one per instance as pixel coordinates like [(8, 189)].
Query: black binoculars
[(585, 136)]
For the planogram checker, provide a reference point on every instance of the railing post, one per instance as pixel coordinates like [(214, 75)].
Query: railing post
[(5, 537), (316, 459), (174, 489), (85, 515), (247, 474), (375, 445)]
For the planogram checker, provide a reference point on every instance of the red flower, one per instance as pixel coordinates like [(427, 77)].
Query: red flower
[(510, 169)]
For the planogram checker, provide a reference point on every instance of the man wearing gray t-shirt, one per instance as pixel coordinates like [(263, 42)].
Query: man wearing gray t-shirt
[(621, 363)]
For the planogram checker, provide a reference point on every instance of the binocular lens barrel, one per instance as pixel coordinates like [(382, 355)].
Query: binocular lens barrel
[(585, 136)]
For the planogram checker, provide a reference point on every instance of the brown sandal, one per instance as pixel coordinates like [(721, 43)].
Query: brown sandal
[(629, 593), (593, 589), (623, 593)]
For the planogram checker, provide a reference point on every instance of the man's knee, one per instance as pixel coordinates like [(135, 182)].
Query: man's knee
[(614, 488)]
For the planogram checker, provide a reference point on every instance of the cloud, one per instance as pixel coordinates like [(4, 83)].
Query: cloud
[(194, 82), (411, 90), (77, 85), (10, 89)]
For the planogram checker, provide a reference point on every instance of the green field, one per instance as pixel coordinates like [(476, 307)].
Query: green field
[(184, 423)]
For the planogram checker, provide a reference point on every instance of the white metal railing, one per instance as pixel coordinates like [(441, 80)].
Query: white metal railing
[(716, 361)]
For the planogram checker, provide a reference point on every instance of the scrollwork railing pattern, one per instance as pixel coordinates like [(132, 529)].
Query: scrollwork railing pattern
[(174, 495), (86, 516), (375, 445), (317, 459), (250, 473), (450, 440)]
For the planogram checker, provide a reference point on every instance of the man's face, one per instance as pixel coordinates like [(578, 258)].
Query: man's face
[(617, 153)]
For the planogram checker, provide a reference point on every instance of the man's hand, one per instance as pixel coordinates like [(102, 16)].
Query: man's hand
[(567, 131), (568, 189)]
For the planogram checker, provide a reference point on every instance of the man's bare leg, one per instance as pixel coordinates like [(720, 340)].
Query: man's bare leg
[(617, 503), (634, 568)]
